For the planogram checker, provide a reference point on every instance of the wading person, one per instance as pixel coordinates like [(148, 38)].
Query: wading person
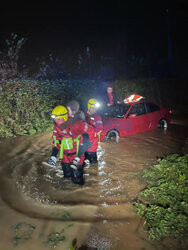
[(94, 120), (78, 126), (67, 147)]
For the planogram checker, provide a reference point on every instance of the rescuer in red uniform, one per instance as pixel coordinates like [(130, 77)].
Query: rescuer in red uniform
[(66, 146), (78, 126), (94, 120)]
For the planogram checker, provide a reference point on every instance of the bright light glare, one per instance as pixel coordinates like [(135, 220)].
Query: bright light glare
[(97, 105)]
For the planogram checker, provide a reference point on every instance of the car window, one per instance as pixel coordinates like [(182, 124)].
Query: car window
[(118, 110), (151, 107), (123, 108), (138, 109)]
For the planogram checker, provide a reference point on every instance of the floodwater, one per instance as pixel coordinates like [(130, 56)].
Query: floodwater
[(39, 209)]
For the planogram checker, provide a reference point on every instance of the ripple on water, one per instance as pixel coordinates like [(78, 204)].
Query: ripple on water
[(43, 194)]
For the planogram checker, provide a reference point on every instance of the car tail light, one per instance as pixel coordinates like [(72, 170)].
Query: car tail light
[(170, 111)]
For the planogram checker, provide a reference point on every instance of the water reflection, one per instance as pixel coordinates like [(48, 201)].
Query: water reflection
[(97, 215)]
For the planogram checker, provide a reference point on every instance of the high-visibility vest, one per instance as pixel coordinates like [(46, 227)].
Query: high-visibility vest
[(99, 136), (66, 144)]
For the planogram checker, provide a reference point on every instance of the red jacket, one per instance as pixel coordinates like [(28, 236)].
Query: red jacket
[(66, 144), (95, 120), (81, 127), (111, 99)]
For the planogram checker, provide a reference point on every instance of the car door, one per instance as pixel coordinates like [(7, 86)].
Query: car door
[(154, 113), (138, 118)]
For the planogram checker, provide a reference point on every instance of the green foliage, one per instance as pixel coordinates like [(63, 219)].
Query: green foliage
[(65, 216), (23, 233), (53, 239), (26, 107), (164, 203)]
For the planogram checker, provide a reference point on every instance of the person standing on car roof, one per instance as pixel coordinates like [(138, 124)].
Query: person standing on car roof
[(95, 120)]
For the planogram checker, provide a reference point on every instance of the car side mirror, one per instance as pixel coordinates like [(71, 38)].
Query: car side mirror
[(131, 115)]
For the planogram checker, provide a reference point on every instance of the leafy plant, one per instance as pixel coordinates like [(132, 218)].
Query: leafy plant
[(164, 203), (53, 239), (26, 107), (23, 233)]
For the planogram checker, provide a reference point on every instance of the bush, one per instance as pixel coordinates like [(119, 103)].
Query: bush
[(26, 107), (164, 203)]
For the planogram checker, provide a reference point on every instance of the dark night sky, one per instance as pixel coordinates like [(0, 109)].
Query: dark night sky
[(62, 26)]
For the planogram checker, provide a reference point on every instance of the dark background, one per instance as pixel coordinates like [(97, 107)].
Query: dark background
[(125, 38)]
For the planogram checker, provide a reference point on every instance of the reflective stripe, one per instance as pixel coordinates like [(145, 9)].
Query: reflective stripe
[(67, 143), (61, 151), (77, 140), (130, 98), (55, 141), (86, 127), (138, 99), (133, 98), (99, 135)]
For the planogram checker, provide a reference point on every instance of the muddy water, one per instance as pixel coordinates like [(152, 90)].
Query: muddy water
[(41, 210)]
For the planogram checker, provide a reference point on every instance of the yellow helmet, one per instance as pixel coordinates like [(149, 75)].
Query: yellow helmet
[(93, 103), (60, 112)]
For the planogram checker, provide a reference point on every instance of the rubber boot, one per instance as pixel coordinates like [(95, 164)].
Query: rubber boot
[(67, 171), (77, 175), (91, 156)]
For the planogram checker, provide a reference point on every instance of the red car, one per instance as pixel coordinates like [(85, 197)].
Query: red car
[(132, 118)]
